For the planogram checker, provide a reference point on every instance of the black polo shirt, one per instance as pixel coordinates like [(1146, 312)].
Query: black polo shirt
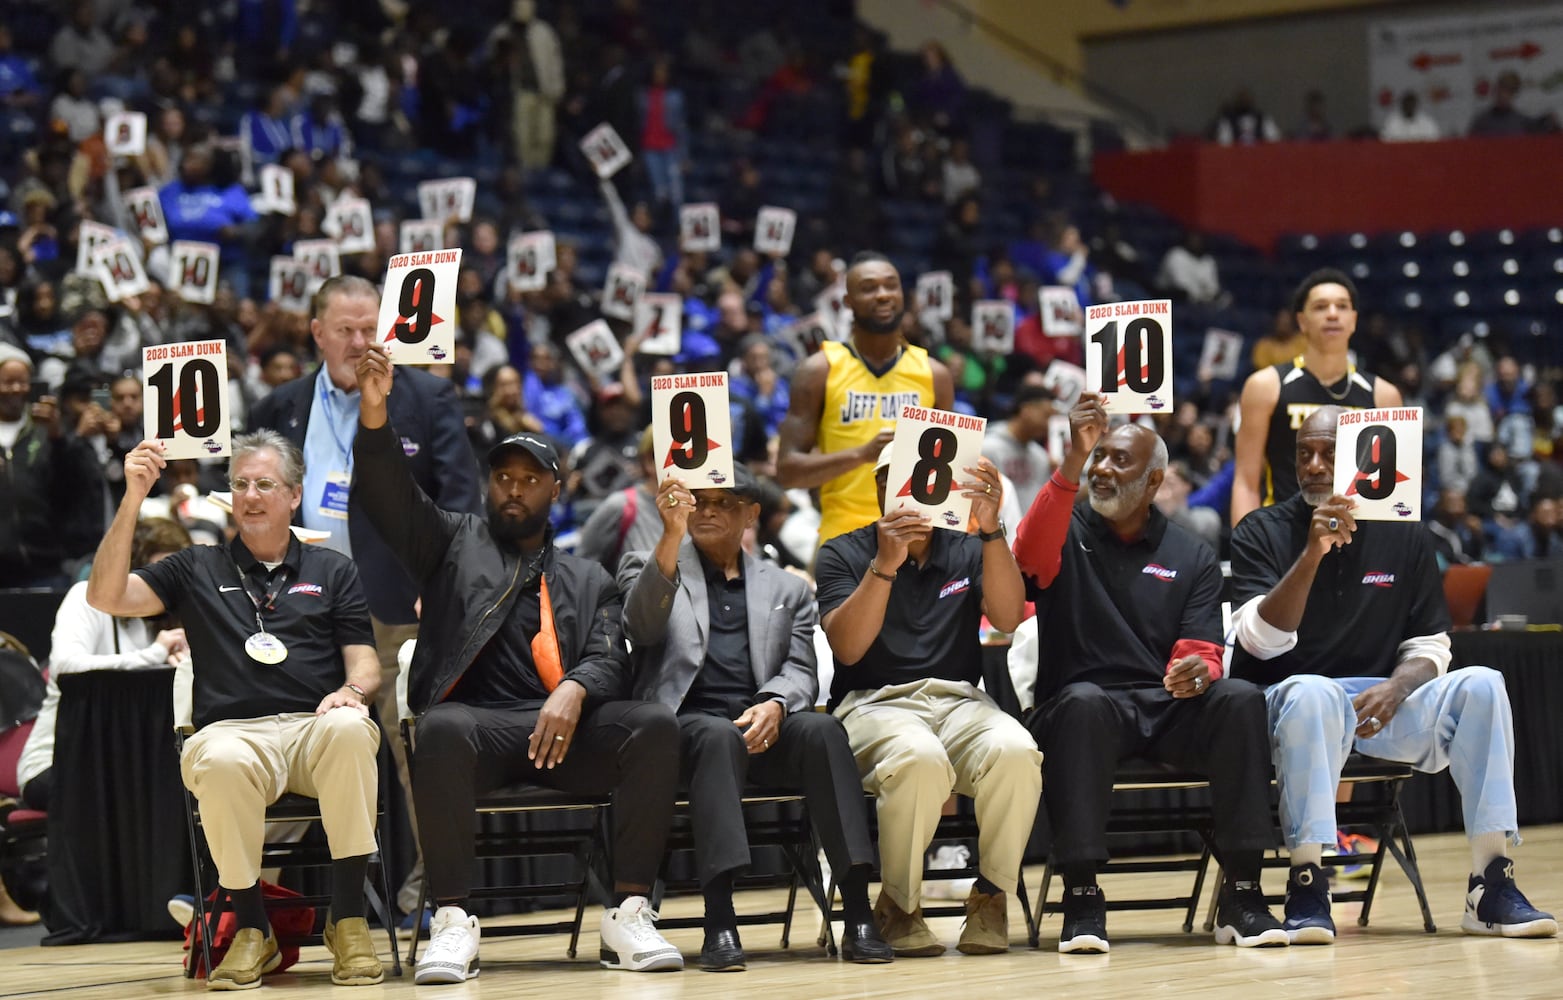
[(1115, 610), (931, 620), (725, 685), (1367, 597), (317, 609)]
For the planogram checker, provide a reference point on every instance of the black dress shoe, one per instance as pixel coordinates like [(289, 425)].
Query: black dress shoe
[(860, 942), (722, 952)]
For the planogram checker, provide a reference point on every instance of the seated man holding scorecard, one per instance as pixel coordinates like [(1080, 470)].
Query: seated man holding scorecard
[(284, 667), (1129, 622), (519, 676), (727, 641), (1344, 622), (902, 602)]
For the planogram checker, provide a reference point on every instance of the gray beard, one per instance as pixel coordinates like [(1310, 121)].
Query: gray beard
[(1128, 499), (1314, 499)]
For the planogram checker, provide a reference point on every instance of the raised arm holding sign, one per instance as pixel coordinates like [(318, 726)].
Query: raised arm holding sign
[(1128, 355), (691, 429), (418, 307), (1378, 463), (186, 391)]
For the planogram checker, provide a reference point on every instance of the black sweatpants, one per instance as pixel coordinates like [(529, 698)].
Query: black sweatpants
[(1085, 730)]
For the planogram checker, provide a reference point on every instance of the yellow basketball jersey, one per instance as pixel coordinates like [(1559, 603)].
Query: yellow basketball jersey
[(858, 405)]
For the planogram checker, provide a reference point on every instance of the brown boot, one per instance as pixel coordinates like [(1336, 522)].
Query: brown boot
[(250, 956), (11, 913), (906, 932), (986, 931), (353, 959)]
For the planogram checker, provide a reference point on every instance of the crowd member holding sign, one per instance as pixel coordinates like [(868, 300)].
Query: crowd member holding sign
[(318, 414), (900, 603), (846, 400), (727, 641), (1343, 620), (520, 674), (1129, 614), (1276, 400), (284, 669)]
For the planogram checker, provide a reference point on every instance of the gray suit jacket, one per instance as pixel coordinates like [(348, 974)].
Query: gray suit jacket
[(669, 623)]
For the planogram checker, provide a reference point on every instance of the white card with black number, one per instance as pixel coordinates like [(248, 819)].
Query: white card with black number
[(322, 258), (1378, 463), (418, 307), (1061, 316), (606, 151), (596, 349), (276, 191), (353, 225), (529, 258), (146, 214), (691, 429), (1128, 355), (928, 457), (289, 284), (993, 326), (936, 295), (623, 288), (420, 236), (119, 269), (125, 133), (773, 229), (185, 389), (192, 271), (700, 228), (659, 317)]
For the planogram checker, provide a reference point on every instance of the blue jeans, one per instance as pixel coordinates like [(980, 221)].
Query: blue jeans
[(667, 176), (1460, 721)]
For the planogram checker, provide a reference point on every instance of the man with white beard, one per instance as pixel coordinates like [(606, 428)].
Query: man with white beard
[(1128, 610)]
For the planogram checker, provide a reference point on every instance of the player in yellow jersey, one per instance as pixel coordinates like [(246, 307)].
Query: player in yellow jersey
[(846, 399)]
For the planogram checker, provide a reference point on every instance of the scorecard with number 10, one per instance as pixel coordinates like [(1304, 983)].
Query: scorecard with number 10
[(1378, 463), (929, 457), (692, 430), (1128, 355), (186, 391), (418, 308)]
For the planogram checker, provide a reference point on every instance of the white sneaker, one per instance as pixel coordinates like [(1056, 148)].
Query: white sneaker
[(950, 857), (630, 939), (452, 955)]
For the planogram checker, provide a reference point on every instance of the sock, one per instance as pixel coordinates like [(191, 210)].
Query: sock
[(1487, 848), (854, 894), (249, 908), (1307, 854), (347, 886), (1081, 875), (718, 894), (985, 887), (1242, 869)]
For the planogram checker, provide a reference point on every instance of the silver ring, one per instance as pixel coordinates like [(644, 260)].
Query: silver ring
[(1373, 721), (765, 742), (1334, 523), (558, 739), (1199, 683)]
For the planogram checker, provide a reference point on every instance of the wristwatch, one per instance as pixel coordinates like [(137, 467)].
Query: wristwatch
[(993, 536)]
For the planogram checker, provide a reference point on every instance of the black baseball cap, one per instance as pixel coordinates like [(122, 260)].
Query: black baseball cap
[(533, 445)]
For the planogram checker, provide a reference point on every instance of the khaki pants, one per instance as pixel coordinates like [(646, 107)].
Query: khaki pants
[(917, 742), (238, 767), (532, 127), (388, 641)]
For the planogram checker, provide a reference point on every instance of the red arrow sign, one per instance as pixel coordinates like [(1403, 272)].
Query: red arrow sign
[(1426, 60), (1525, 50)]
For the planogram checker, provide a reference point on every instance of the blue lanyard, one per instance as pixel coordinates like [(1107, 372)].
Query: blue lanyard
[(330, 415)]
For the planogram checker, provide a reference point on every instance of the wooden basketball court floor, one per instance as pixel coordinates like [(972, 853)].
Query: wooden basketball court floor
[(1151, 957)]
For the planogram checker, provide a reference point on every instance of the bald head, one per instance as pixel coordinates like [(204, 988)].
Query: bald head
[(1324, 420)]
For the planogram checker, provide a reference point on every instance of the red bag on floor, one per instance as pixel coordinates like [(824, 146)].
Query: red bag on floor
[(288, 923)]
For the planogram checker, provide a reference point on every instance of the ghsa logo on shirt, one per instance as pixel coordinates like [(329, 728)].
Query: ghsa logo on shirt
[(1378, 579), (313, 589), (1160, 572), (955, 587)]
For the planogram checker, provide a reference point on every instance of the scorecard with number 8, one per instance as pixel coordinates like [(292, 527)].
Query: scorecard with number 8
[(691, 430), (186, 391), (1128, 355), (928, 460), (418, 307), (1378, 463)]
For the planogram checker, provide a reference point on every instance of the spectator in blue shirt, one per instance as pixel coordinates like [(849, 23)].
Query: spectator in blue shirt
[(551, 400), (265, 135), (1508, 393), (197, 207), (321, 131), (756, 381), (19, 87)]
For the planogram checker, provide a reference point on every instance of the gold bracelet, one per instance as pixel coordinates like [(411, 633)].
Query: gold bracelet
[(873, 567)]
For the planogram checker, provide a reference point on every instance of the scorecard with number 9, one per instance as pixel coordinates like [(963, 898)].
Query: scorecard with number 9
[(418, 307), (1128, 355), (928, 460), (186, 391), (1378, 463), (691, 430)]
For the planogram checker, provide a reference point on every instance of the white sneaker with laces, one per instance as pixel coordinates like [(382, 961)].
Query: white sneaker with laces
[(452, 955), (950, 857), (630, 939)]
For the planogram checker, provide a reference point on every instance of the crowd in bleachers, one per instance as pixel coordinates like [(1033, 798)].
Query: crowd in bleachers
[(743, 106)]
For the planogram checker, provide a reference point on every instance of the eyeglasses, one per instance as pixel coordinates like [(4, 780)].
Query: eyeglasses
[(726, 502), (262, 486)]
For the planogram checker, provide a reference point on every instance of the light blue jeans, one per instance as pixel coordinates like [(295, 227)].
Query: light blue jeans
[(1460, 721)]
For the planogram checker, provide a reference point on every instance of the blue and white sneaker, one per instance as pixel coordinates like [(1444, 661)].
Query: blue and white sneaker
[(1495, 906), (1308, 907)]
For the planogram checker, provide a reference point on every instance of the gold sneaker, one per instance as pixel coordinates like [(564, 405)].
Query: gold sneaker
[(353, 959), (906, 932), (249, 957), (986, 931)]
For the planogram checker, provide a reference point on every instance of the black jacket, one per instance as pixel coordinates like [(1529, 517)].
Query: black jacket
[(51, 504), (434, 438), (469, 582)]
